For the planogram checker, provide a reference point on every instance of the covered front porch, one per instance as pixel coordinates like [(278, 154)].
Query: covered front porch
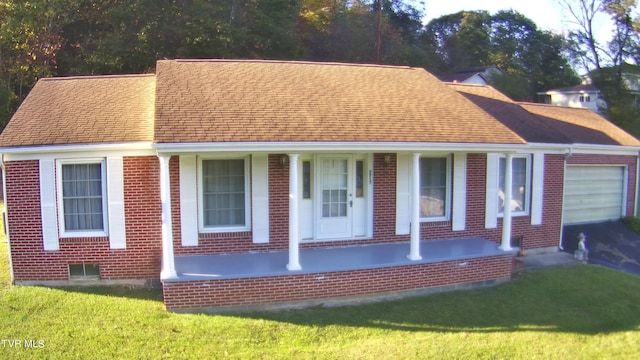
[(320, 260), (259, 220), (250, 281)]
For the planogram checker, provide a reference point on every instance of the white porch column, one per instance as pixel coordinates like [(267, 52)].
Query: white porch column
[(168, 261), (294, 231), (414, 253), (506, 220)]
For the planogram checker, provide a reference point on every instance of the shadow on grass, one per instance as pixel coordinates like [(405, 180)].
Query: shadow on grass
[(578, 299), (129, 292)]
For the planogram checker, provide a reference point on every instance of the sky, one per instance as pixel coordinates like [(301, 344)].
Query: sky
[(547, 14)]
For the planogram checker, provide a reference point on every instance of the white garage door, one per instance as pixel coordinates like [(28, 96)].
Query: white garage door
[(593, 193)]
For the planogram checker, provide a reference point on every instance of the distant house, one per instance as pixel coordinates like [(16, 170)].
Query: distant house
[(587, 95), (259, 184), (479, 75)]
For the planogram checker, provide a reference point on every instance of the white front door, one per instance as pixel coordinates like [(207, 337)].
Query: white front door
[(335, 197)]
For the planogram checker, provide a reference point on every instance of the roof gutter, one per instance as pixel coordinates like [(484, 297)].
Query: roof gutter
[(39, 149), (331, 146), (610, 149), (150, 148), (342, 146)]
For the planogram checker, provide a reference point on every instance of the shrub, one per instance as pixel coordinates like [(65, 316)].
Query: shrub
[(633, 223)]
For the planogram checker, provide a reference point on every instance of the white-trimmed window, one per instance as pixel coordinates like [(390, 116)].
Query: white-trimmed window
[(224, 195), (585, 98), (82, 198), (435, 188), (521, 185)]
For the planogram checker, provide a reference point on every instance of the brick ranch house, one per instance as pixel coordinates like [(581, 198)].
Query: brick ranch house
[(244, 184)]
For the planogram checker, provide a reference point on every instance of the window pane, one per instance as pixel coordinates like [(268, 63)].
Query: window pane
[(519, 184), (76, 270), (433, 187), (82, 197), (334, 188), (359, 178), (223, 184), (306, 179), (92, 269)]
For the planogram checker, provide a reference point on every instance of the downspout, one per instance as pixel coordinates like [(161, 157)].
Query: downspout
[(4, 214), (567, 155), (635, 202)]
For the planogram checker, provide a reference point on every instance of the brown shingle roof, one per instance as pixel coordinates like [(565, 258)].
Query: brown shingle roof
[(529, 126), (582, 126), (78, 110), (265, 101), (547, 123)]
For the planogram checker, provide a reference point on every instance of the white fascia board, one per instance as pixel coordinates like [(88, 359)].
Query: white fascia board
[(583, 149), (85, 150), (544, 148), (337, 147), (604, 149)]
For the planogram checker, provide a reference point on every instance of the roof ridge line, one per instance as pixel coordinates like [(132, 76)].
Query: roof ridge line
[(302, 62), (87, 77)]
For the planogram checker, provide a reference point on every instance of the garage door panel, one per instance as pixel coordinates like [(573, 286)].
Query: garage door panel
[(595, 197), (592, 202), (593, 193), (578, 172)]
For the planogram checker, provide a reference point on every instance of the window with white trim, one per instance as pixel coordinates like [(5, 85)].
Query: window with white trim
[(521, 185), (224, 194), (82, 198), (435, 188), (585, 98)]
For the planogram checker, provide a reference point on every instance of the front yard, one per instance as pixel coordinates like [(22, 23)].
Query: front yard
[(564, 313)]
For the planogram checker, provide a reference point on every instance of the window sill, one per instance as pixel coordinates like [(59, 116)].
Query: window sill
[(222, 230), (83, 234), (435, 219), (518, 214)]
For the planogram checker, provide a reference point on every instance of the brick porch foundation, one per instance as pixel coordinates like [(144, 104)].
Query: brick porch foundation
[(312, 289)]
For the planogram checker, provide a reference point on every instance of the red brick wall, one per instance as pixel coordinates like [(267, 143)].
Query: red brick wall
[(278, 289), (140, 260), (534, 236), (622, 160), (143, 216), (226, 243), (384, 202), (239, 242)]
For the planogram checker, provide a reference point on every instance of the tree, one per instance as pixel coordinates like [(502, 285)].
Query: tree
[(531, 60), (265, 29), (607, 63), (30, 40), (587, 48), (458, 41)]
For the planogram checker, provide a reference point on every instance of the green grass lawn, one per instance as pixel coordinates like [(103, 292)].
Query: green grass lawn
[(578, 312)]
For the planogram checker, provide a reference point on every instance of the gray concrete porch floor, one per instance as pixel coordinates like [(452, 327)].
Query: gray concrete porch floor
[(319, 260)]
